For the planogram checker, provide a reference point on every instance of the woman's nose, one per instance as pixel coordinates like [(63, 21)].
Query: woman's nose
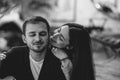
[(55, 36)]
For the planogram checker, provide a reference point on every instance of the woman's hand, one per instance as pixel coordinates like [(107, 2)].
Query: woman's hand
[(2, 56), (66, 63), (59, 53)]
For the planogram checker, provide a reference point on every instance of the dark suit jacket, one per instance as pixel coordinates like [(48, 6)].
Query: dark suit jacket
[(17, 64)]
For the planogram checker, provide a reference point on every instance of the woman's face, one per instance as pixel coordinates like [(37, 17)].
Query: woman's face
[(60, 37)]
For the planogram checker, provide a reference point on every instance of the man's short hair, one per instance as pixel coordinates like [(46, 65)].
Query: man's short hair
[(34, 20)]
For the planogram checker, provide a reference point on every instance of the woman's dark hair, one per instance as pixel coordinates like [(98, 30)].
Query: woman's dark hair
[(80, 53)]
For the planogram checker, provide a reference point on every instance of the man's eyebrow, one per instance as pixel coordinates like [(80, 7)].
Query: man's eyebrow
[(43, 31), (30, 32)]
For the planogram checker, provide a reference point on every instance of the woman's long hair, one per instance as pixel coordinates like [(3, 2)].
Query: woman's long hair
[(80, 53)]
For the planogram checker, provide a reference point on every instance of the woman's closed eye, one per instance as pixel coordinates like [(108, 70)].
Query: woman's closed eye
[(61, 38), (57, 30)]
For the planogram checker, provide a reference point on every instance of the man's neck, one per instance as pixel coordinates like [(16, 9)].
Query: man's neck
[(37, 56)]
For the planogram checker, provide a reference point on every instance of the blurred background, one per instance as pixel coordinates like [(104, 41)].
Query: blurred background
[(100, 17)]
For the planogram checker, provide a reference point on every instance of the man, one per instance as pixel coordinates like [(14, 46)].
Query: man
[(34, 61)]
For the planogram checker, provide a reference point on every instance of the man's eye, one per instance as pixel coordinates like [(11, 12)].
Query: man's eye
[(43, 33), (31, 35)]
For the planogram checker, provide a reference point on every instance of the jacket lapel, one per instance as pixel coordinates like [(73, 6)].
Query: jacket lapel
[(27, 69), (51, 69)]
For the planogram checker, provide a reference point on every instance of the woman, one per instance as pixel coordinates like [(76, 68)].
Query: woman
[(75, 41)]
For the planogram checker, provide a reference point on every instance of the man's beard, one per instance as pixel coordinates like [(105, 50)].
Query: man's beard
[(41, 50)]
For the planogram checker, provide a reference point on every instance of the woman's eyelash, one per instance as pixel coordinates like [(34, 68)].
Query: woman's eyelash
[(61, 38), (59, 30)]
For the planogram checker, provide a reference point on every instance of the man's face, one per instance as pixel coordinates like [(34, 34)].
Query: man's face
[(36, 36), (60, 37)]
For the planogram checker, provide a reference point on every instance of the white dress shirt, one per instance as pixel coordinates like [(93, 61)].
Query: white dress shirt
[(35, 67)]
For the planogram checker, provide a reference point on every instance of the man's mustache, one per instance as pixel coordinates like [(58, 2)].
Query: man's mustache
[(38, 42)]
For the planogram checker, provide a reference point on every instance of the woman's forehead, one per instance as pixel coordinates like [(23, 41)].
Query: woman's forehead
[(65, 31), (62, 29)]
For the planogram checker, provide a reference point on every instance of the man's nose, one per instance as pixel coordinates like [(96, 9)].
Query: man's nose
[(38, 38)]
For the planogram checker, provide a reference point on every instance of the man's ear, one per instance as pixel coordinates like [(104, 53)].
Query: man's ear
[(24, 38)]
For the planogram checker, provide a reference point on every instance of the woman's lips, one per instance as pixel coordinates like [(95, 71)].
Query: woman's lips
[(53, 41)]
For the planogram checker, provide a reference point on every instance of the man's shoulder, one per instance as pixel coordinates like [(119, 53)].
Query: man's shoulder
[(17, 50), (15, 53)]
